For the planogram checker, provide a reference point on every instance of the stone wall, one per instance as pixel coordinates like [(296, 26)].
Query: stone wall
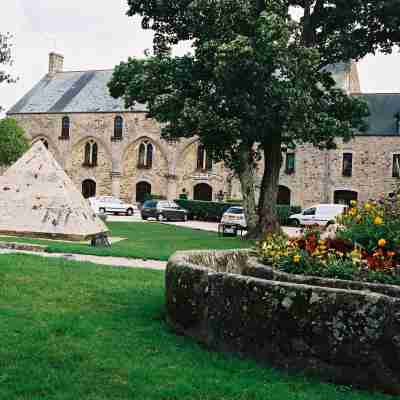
[(318, 174), (345, 332)]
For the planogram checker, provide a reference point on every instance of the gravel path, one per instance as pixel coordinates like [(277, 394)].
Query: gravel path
[(109, 261)]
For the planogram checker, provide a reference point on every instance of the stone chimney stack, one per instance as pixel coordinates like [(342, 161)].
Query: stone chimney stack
[(56, 63)]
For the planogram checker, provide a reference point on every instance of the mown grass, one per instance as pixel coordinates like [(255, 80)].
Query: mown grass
[(145, 240), (80, 331)]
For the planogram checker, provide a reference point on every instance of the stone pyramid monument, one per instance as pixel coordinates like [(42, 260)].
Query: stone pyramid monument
[(38, 199)]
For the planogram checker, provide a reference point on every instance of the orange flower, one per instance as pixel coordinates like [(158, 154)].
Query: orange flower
[(378, 221), (382, 243), (391, 253)]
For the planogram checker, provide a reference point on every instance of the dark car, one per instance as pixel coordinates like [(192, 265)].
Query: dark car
[(163, 210)]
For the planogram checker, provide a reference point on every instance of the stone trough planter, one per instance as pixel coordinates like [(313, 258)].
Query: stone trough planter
[(345, 332)]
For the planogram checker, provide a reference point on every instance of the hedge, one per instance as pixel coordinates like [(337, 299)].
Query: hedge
[(212, 211)]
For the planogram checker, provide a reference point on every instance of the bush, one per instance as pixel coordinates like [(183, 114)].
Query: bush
[(149, 196), (212, 211)]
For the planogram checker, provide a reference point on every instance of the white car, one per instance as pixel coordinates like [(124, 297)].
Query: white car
[(110, 204), (321, 214), (232, 219)]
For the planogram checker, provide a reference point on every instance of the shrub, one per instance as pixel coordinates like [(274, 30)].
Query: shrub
[(212, 211)]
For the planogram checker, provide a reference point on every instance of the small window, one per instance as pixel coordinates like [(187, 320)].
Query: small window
[(290, 163), (347, 164), (118, 128), (204, 162), (396, 166), (65, 128), (90, 155)]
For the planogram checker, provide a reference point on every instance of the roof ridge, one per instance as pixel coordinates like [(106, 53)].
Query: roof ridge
[(85, 70)]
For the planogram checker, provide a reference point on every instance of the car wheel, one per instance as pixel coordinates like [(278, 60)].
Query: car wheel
[(102, 210), (160, 218), (129, 211), (295, 222), (144, 218)]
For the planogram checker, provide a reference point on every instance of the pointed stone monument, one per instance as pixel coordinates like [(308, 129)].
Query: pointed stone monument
[(38, 199)]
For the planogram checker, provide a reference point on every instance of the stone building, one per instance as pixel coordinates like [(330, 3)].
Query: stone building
[(108, 149)]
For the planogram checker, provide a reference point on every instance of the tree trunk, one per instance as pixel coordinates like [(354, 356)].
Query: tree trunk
[(246, 175), (267, 209)]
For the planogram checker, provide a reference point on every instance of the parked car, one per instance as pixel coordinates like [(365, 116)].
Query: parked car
[(232, 220), (163, 210), (110, 204), (321, 214)]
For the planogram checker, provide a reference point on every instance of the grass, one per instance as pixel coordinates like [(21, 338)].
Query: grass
[(145, 240), (79, 331)]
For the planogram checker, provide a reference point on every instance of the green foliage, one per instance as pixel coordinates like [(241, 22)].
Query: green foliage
[(13, 142), (151, 196), (212, 211)]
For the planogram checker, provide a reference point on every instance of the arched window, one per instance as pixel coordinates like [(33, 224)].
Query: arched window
[(65, 128), (45, 143), (90, 156), (283, 196), (204, 162), (88, 188), (118, 127), (146, 154)]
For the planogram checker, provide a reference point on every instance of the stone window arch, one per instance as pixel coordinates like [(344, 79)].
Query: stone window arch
[(65, 127), (146, 155), (88, 188), (118, 127), (90, 154), (204, 162)]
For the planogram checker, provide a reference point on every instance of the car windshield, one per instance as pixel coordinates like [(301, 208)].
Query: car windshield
[(235, 210)]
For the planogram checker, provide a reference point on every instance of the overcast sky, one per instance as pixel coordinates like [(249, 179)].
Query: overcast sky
[(96, 34)]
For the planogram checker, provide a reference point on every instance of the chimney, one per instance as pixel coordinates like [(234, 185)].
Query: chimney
[(56, 63)]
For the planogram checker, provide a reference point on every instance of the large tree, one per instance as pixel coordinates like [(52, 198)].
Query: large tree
[(13, 141), (5, 58), (254, 85)]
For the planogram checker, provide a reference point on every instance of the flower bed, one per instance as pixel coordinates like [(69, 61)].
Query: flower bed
[(366, 247)]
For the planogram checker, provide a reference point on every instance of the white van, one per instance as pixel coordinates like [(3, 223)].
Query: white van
[(321, 214)]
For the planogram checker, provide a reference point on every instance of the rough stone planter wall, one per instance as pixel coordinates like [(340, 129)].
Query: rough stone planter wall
[(345, 332)]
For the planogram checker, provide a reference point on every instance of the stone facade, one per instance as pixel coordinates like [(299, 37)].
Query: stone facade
[(316, 178), (83, 97)]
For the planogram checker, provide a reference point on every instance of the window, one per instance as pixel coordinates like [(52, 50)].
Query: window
[(118, 128), (45, 143), (396, 166), (290, 163), (347, 164), (204, 162), (88, 188), (90, 156), (65, 128), (310, 211), (146, 151)]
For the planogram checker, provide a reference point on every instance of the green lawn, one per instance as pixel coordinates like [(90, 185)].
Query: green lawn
[(145, 240), (80, 331)]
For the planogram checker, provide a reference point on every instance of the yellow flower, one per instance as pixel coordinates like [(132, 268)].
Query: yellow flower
[(353, 203), (296, 259), (378, 221), (382, 243), (367, 206)]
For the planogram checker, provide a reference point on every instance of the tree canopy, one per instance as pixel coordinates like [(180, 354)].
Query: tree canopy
[(247, 93), (13, 142), (5, 58)]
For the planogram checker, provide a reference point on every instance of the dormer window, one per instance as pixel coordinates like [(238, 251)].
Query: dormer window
[(90, 156), (145, 159), (65, 125), (118, 128)]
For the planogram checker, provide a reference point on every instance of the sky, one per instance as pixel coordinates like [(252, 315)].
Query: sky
[(96, 34)]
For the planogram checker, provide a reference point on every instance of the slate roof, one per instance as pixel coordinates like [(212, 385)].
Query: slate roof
[(68, 92), (383, 108)]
